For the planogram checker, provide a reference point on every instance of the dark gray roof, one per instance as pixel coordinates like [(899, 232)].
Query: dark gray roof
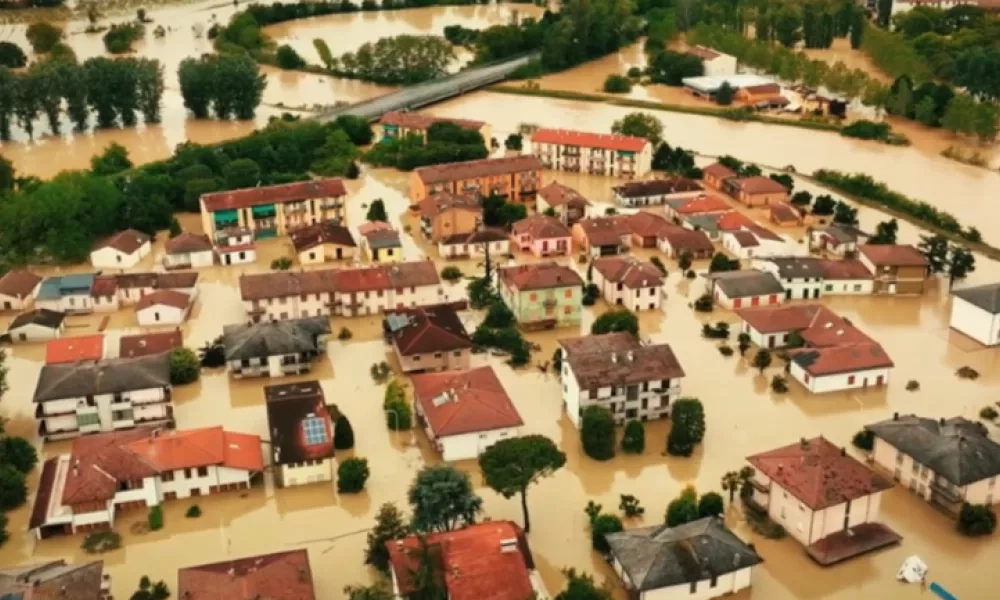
[(71, 380), (660, 556), (54, 579), (845, 233), (794, 267), (986, 297), (740, 284), (41, 316), (957, 449), (261, 340)]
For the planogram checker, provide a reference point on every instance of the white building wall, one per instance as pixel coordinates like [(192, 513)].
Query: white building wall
[(918, 478), (848, 287), (776, 339), (292, 475), (729, 583), (111, 258), (840, 381), (654, 199), (160, 314), (471, 445), (730, 243), (799, 288), (721, 65), (93, 517), (33, 333), (975, 322), (18, 304), (204, 258), (237, 257)]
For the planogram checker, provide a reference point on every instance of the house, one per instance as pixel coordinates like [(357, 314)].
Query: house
[(120, 251), (764, 96), (276, 348), (109, 472), (301, 430), (845, 277), (897, 269), (163, 307), (840, 240), (701, 559), (76, 349), (714, 225), (146, 344), (542, 295), (444, 215), (752, 242), (516, 178), (784, 215), (74, 399), (66, 293), (614, 370), (381, 242), (645, 227), (36, 325), (187, 251), (17, 289), (707, 86), (277, 576), (679, 209), (655, 192), (800, 276), (475, 244), (629, 282), (270, 210), (772, 326), (738, 289), (235, 246), (482, 560), (397, 124), (674, 241), (824, 498), (322, 242), (609, 154), (947, 462), (464, 412), (975, 311), (131, 288), (716, 174), (756, 191), (602, 236), (428, 338), (568, 204), (713, 62), (542, 235), (56, 579)]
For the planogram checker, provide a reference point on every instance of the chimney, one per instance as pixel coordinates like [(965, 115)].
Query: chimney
[(508, 545), (843, 451), (895, 416), (631, 356), (614, 357), (804, 443)]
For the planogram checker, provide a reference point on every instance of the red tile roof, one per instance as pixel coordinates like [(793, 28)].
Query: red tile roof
[(372, 226), (647, 224), (409, 120), (328, 281), (680, 238), (845, 358), (131, 346), (605, 231), (556, 194), (719, 171), (73, 349), (759, 185), (787, 317), (764, 233), (274, 194), (187, 242), (744, 238), (733, 220), (893, 255), (657, 187), (629, 271), (166, 298), (277, 576), (18, 283), (324, 232), (104, 286), (539, 276), (540, 226), (432, 206), (783, 213), (471, 169), (486, 561), (844, 269), (199, 448), (457, 402), (127, 241), (703, 205), (703, 52), (586, 139), (427, 329)]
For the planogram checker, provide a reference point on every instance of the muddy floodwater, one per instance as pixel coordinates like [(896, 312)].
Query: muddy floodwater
[(743, 417)]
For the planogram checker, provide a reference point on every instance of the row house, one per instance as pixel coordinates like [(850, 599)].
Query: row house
[(53, 579), (567, 204), (323, 242), (542, 295), (276, 576), (837, 239), (645, 228), (111, 292), (17, 289), (120, 251), (73, 399), (629, 282), (274, 348), (428, 338), (715, 225), (272, 210), (66, 293), (602, 236), (975, 312), (756, 191), (475, 244), (679, 209), (656, 192), (595, 153), (651, 230), (444, 215), (846, 277), (109, 472), (516, 178), (235, 246), (396, 125), (301, 430), (753, 241), (808, 277), (740, 289), (616, 371), (896, 268), (188, 251), (542, 236)]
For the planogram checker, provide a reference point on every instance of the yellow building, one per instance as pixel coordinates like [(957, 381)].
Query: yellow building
[(322, 242), (381, 242)]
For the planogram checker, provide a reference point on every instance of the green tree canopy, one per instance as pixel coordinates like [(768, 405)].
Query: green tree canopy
[(639, 124), (597, 432), (442, 499), (389, 525), (510, 466), (113, 160), (18, 453), (616, 320)]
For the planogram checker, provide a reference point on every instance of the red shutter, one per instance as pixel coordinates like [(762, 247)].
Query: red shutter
[(755, 301), (737, 302)]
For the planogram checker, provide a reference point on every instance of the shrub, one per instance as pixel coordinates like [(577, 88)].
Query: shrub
[(866, 130), (603, 525), (451, 274), (343, 434), (691, 275), (18, 453), (380, 371), (155, 518), (761, 524), (634, 437), (704, 303), (352, 475), (398, 415), (726, 350), (120, 37), (43, 36), (988, 413), (967, 373), (616, 320), (710, 505), (100, 542), (288, 58), (634, 73), (590, 294), (193, 512), (630, 507), (13, 490), (687, 427), (719, 331), (912, 385), (514, 141), (779, 385), (617, 84), (864, 440), (682, 509), (597, 433), (282, 263), (185, 367), (344, 334)]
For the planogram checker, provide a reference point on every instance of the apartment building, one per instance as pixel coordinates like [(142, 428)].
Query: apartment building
[(444, 215), (275, 348), (595, 153), (272, 210), (897, 268), (656, 192), (301, 429), (516, 178)]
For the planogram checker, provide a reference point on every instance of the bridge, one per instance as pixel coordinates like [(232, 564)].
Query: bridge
[(424, 94)]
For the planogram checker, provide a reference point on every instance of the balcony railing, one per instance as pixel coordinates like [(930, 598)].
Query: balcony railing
[(945, 492)]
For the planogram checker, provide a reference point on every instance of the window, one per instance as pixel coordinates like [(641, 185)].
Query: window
[(122, 415), (714, 582), (567, 309), (850, 380), (304, 297), (532, 297), (899, 458), (167, 476), (857, 287), (829, 287), (652, 291), (312, 255), (457, 353), (694, 587), (416, 358), (569, 292), (437, 355), (916, 467), (593, 393), (202, 471), (90, 419), (315, 430)]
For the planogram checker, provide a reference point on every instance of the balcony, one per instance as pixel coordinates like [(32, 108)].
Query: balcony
[(945, 495)]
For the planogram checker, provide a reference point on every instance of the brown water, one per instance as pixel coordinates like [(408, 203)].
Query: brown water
[(743, 417)]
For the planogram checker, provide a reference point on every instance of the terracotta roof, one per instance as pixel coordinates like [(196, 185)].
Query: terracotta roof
[(703, 52), (410, 120), (604, 231), (383, 238), (539, 276), (783, 212), (363, 279), (586, 139), (457, 402), (145, 344), (656, 187), (484, 235), (105, 286), (844, 269), (409, 274), (818, 473), (485, 561), (618, 359), (127, 241), (540, 226), (171, 298), (277, 576), (432, 206), (100, 461), (19, 283), (894, 255), (274, 194), (485, 167), (759, 185), (699, 206), (280, 284), (629, 271), (288, 406), (847, 358), (733, 220), (324, 232), (371, 226), (744, 238), (192, 448), (647, 224), (556, 194), (162, 281), (680, 238), (53, 580), (74, 349), (719, 171), (763, 233), (187, 242), (426, 329), (46, 483), (789, 317), (326, 281)]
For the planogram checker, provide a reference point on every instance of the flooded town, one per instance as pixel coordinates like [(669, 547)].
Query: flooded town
[(531, 337)]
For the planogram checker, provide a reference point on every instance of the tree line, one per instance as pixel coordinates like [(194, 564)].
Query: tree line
[(446, 142), (228, 84), (399, 60)]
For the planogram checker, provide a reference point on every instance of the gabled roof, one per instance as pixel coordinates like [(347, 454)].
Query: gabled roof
[(847, 358), (127, 241), (759, 184), (43, 317), (157, 281), (659, 556), (479, 236), (629, 271), (187, 242), (130, 346), (648, 224), (277, 576), (260, 340), (274, 194), (656, 187), (680, 239), (18, 283), (893, 255), (170, 298), (556, 194), (108, 376), (539, 276), (742, 284), (426, 329), (719, 171), (818, 473), (56, 287), (844, 269), (383, 238), (782, 212), (486, 167), (604, 231), (541, 227), (732, 221), (793, 267), (618, 359), (75, 349), (411, 120), (279, 284), (324, 232), (192, 448), (457, 402), (744, 238), (288, 405), (701, 205), (986, 297), (586, 139), (433, 205), (957, 449), (327, 281), (52, 580)]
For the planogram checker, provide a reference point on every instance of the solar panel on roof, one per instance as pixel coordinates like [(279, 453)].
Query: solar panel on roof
[(315, 431)]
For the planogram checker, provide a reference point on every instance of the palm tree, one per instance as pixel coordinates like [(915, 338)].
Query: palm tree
[(736, 480)]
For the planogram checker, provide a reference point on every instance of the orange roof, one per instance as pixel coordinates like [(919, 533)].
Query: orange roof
[(166, 298), (893, 255), (409, 120), (647, 224), (782, 212), (274, 194), (130, 346), (734, 220), (586, 139), (702, 205), (73, 349), (277, 576), (457, 402), (844, 269), (540, 226), (719, 171), (845, 358), (199, 448), (629, 271), (759, 185), (539, 276)]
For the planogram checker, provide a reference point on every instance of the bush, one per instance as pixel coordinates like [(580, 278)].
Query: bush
[(282, 263), (12, 56), (597, 433), (682, 509), (380, 372), (603, 525), (866, 130), (634, 437), (513, 142), (100, 542), (687, 426), (634, 73), (288, 58), (43, 36), (18, 453), (121, 36), (343, 434), (617, 84), (344, 334), (710, 505), (719, 331), (724, 95), (616, 320), (451, 274), (630, 507), (988, 413), (976, 520), (398, 414), (912, 385), (352, 475), (778, 384), (726, 350), (185, 367), (193, 512), (704, 303), (590, 294), (155, 518), (13, 491), (864, 440)]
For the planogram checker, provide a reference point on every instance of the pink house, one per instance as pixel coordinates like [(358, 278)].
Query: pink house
[(541, 235)]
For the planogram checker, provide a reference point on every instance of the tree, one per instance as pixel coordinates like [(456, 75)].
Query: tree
[(616, 320), (960, 264), (684, 260), (935, 249), (885, 232), (733, 481), (682, 509), (113, 160), (710, 505), (43, 36), (151, 591), (864, 440), (352, 475), (602, 526), (356, 128), (639, 124), (687, 426), (597, 432), (442, 499), (581, 586), (12, 56), (510, 466), (288, 58), (18, 453), (8, 176), (787, 22), (724, 95), (976, 519), (634, 437), (743, 341), (184, 366), (762, 360), (514, 141), (960, 115), (721, 262), (376, 591), (241, 173), (617, 84), (400, 60), (671, 68), (824, 205), (845, 214), (376, 211), (343, 433), (389, 525), (13, 490)]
